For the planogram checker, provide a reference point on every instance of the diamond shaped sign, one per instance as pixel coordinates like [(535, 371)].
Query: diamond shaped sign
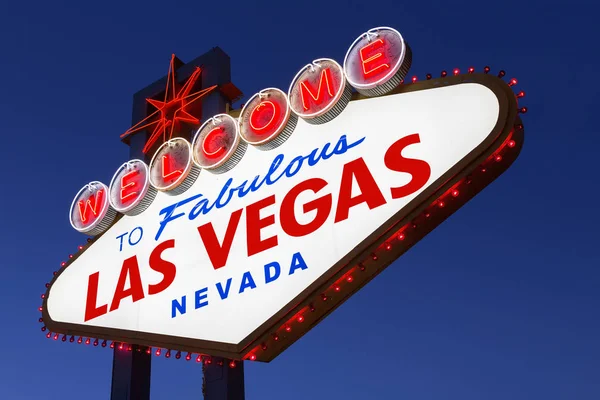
[(239, 242)]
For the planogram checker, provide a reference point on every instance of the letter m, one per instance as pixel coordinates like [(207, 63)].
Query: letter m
[(308, 92)]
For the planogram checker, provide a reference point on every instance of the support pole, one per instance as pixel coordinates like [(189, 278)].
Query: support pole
[(221, 382), (131, 369), (131, 374)]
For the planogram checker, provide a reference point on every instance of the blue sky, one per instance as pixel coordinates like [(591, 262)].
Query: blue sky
[(501, 301)]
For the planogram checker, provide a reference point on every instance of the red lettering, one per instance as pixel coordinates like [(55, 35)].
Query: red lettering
[(166, 268), (419, 169), (168, 172), (85, 208), (369, 191), (130, 269), (287, 217), (264, 117), (91, 311), (212, 139), (128, 186), (307, 90), (254, 224), (376, 60), (217, 252)]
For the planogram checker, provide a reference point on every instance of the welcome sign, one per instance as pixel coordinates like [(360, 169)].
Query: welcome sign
[(239, 241)]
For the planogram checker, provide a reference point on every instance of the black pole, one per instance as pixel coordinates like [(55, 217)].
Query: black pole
[(131, 369), (222, 381), (131, 373)]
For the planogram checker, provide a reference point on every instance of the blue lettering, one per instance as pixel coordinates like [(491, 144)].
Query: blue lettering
[(268, 276), (168, 211), (200, 207), (201, 295), (131, 234), (121, 243), (297, 263), (177, 306), (247, 282), (224, 293), (227, 192)]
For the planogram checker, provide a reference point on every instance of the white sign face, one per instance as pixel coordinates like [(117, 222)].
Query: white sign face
[(217, 261)]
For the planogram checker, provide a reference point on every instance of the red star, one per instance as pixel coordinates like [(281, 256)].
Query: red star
[(171, 111)]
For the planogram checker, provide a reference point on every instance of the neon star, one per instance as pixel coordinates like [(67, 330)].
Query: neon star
[(172, 110)]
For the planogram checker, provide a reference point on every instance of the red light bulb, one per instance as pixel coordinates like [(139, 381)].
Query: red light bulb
[(231, 364), (64, 338), (80, 340), (56, 336), (188, 357), (512, 82), (112, 345), (501, 73), (401, 236), (288, 328), (312, 308), (263, 346), (253, 357), (324, 297), (276, 337), (103, 343), (523, 110), (521, 94), (40, 309), (62, 264), (95, 342), (511, 143), (71, 339), (388, 246), (349, 278), (43, 296), (120, 346), (374, 257), (300, 318), (414, 79), (444, 73), (54, 273), (168, 354), (70, 255), (441, 204), (486, 69), (157, 352), (471, 70), (44, 329), (428, 76), (199, 358), (41, 320), (361, 266), (455, 193), (48, 335), (178, 355), (88, 341), (80, 247), (149, 350), (427, 215), (208, 360), (456, 71), (498, 158), (483, 170), (336, 288)]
